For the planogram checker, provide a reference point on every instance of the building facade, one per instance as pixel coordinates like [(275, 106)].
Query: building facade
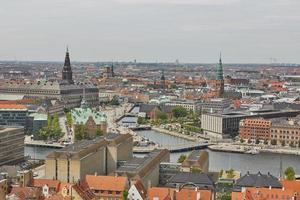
[(13, 115), (88, 157), (256, 128), (11, 145)]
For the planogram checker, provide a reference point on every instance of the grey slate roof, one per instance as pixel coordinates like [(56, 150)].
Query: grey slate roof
[(201, 180), (257, 180)]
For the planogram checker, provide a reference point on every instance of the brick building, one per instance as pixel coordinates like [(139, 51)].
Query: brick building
[(256, 128)]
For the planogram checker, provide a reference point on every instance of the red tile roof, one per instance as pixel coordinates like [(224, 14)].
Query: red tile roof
[(51, 183), (12, 106), (106, 183)]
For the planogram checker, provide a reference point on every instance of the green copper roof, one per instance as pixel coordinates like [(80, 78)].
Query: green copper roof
[(39, 116), (220, 70), (81, 115)]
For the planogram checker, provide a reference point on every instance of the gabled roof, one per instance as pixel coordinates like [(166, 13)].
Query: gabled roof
[(201, 180), (147, 108), (257, 180), (141, 189), (106, 183), (49, 182), (159, 193)]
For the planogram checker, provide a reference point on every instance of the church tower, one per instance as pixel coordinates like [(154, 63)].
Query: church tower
[(67, 70), (220, 78)]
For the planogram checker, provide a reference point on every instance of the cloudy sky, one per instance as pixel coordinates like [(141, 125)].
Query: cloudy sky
[(151, 30)]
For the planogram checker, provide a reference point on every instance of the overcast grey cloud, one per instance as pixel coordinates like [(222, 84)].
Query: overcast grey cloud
[(151, 30)]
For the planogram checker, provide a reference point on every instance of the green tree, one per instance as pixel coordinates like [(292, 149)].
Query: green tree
[(242, 140), (99, 132), (69, 119), (196, 170), (141, 120), (161, 115), (115, 101), (124, 195), (179, 111), (221, 173), (299, 143), (52, 130), (283, 143), (181, 158), (289, 173), (80, 132), (230, 173)]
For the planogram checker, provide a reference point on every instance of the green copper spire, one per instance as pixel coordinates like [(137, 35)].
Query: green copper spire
[(220, 69)]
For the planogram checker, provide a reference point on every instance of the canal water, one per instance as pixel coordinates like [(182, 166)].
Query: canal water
[(263, 162)]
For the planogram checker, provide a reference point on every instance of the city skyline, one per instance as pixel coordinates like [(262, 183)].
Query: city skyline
[(192, 31)]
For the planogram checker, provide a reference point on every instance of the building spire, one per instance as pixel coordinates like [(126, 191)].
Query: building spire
[(67, 70), (220, 69)]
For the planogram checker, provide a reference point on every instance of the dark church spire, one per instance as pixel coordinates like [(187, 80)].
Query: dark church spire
[(67, 70)]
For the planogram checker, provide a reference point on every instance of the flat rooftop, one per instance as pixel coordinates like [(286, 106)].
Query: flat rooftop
[(136, 164), (5, 129)]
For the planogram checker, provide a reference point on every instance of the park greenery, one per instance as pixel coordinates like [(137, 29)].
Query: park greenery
[(289, 173), (181, 158), (179, 111), (69, 119), (81, 132), (52, 131)]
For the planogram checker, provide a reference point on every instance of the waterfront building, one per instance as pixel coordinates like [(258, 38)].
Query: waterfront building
[(220, 125), (145, 169), (256, 128), (285, 131), (196, 160), (277, 130), (93, 120), (88, 157), (66, 90), (11, 145), (35, 122), (13, 115)]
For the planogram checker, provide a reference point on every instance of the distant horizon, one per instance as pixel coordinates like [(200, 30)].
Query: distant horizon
[(192, 31)]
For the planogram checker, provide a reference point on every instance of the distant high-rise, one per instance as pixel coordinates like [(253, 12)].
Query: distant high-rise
[(67, 74)]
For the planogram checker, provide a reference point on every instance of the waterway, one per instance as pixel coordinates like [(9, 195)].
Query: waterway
[(263, 162)]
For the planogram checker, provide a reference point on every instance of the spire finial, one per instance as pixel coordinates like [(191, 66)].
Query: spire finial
[(220, 55), (67, 49)]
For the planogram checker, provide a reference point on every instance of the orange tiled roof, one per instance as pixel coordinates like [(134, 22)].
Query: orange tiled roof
[(51, 183), (106, 183), (12, 106), (160, 193), (192, 194), (291, 185)]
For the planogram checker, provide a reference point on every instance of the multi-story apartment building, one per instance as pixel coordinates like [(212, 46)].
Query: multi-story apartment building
[(11, 145), (285, 132), (256, 128), (89, 157), (277, 130), (13, 115)]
